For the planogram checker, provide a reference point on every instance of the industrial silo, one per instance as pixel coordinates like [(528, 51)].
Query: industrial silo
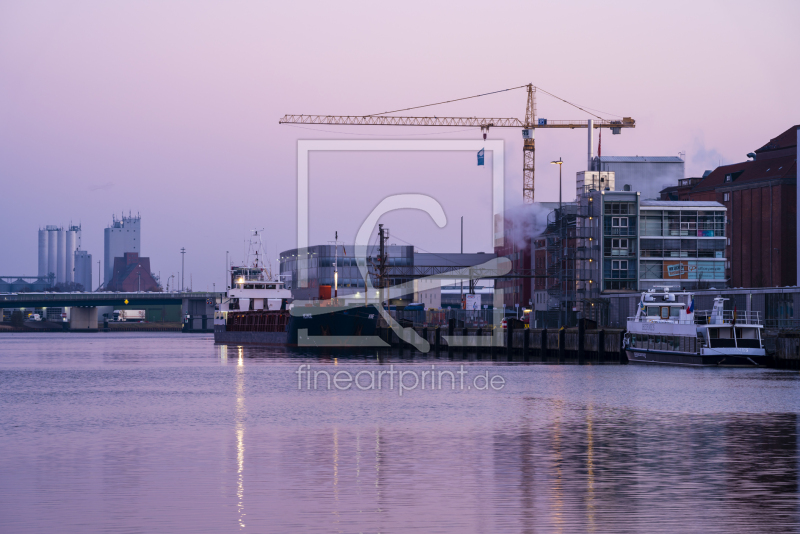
[(83, 269), (61, 265), (52, 250), (43, 252), (73, 241)]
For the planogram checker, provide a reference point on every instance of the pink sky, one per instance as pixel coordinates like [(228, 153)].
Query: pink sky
[(171, 109)]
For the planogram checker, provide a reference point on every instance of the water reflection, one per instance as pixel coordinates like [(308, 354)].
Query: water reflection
[(241, 414), (159, 446)]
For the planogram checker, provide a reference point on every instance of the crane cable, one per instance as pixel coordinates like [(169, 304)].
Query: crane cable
[(486, 94), (446, 101), (570, 103)]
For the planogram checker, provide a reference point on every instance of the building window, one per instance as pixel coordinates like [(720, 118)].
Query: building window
[(619, 222), (728, 178), (726, 197), (619, 247), (619, 269)]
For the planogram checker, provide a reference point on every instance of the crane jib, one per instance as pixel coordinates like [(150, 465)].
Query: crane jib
[(478, 122)]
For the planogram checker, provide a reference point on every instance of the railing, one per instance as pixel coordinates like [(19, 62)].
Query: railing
[(728, 317), (705, 317), (656, 319)]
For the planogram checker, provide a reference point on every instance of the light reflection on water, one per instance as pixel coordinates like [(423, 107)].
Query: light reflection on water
[(127, 433)]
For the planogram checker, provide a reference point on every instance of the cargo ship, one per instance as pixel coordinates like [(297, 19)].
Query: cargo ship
[(667, 330), (258, 309)]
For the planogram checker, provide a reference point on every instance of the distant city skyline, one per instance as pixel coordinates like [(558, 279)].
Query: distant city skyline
[(171, 110)]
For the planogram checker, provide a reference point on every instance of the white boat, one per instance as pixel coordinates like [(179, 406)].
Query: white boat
[(667, 329)]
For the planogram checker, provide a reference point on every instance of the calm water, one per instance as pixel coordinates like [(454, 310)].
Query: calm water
[(169, 433)]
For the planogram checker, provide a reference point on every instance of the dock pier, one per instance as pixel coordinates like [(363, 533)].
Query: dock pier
[(564, 346)]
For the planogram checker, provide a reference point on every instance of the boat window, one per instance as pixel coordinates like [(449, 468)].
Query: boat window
[(665, 312), (652, 311), (748, 338), (270, 286), (674, 312)]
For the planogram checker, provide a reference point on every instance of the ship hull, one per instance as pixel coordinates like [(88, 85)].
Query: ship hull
[(343, 326), (694, 359)]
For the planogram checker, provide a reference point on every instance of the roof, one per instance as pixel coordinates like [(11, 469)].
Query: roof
[(785, 140), (670, 189), (681, 203), (751, 171), (640, 159)]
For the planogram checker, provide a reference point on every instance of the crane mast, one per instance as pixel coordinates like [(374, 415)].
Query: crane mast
[(529, 148)]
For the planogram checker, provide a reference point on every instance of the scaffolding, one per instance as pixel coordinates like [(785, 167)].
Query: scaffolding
[(561, 249), (574, 259)]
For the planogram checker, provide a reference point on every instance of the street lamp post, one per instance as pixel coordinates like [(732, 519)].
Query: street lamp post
[(561, 216), (183, 256)]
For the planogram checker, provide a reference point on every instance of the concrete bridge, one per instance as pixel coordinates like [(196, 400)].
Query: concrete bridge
[(83, 313)]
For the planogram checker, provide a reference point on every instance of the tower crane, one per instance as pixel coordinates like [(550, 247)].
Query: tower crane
[(528, 126)]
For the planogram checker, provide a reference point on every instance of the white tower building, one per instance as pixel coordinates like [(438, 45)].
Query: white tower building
[(124, 235)]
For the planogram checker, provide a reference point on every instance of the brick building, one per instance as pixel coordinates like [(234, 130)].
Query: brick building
[(682, 190), (132, 273), (761, 200)]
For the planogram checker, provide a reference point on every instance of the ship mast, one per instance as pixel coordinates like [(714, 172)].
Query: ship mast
[(336, 266)]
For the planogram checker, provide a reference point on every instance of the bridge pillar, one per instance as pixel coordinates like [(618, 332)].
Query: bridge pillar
[(83, 319)]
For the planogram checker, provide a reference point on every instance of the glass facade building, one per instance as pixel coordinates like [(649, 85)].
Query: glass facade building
[(682, 244), (628, 244)]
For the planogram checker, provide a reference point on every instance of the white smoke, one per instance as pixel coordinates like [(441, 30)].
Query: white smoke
[(525, 222)]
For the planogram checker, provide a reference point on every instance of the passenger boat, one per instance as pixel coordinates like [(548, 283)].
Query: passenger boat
[(258, 309), (667, 329)]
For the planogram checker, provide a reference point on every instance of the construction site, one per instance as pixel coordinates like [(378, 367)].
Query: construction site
[(623, 231)]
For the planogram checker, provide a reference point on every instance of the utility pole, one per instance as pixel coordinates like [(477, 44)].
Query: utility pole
[(227, 266), (562, 248), (99, 283), (462, 252), (183, 256)]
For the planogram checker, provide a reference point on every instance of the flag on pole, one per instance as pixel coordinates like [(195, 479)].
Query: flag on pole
[(691, 307), (480, 157)]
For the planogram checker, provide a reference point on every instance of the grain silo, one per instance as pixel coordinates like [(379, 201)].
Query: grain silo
[(83, 269), (73, 244), (52, 249), (61, 265), (43, 234)]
